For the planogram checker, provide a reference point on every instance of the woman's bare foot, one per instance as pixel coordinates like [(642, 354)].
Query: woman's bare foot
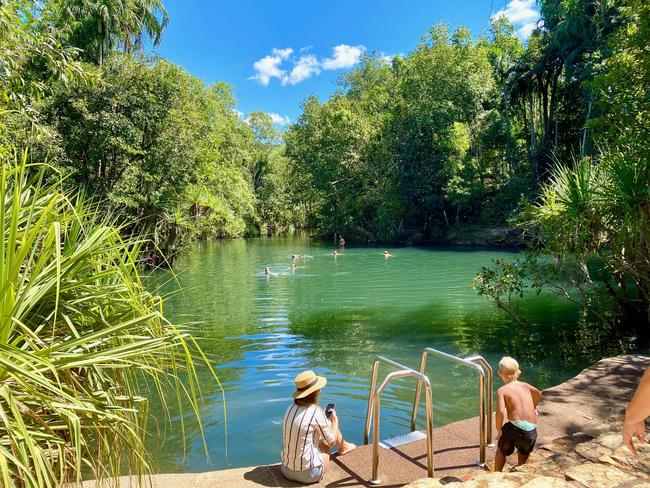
[(347, 447)]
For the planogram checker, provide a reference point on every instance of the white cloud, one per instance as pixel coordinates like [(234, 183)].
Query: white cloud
[(281, 64), (522, 14), (344, 57), (304, 68), (526, 30), (279, 119), (269, 66), (283, 53), (386, 58)]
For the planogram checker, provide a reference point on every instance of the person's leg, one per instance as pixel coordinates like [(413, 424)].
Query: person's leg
[(505, 447), (341, 445), (522, 458), (525, 445), (499, 460)]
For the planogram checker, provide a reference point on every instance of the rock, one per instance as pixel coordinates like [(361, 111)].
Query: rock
[(547, 482), (563, 445), (598, 475), (593, 451), (445, 480), (594, 432), (554, 467), (611, 440), (425, 483), (496, 480), (635, 484), (623, 458), (467, 235)]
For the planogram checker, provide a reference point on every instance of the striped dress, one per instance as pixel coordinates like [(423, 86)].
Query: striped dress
[(304, 428)]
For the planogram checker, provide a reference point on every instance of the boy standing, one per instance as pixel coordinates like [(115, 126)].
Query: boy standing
[(517, 402)]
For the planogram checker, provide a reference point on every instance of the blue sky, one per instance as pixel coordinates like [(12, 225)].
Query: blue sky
[(276, 53)]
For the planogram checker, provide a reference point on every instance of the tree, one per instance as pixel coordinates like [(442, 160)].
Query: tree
[(100, 26)]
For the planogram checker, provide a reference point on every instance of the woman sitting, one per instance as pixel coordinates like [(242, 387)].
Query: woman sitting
[(308, 434)]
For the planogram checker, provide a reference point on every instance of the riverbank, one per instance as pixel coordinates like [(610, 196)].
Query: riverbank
[(458, 235), (591, 402)]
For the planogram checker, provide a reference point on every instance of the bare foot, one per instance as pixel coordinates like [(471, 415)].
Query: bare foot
[(347, 447)]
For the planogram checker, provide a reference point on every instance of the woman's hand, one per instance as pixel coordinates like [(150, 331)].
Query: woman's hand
[(637, 411), (334, 420), (631, 429)]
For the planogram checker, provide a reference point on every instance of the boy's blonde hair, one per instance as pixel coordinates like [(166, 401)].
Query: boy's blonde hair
[(509, 366)]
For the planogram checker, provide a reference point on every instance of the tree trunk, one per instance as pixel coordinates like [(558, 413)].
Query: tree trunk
[(533, 141), (511, 162), (583, 144), (554, 104)]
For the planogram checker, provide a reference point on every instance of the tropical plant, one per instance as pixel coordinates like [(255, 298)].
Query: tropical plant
[(99, 26), (82, 343), (592, 220)]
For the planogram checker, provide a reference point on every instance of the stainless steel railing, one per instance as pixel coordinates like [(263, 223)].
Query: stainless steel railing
[(477, 363), (488, 395), (374, 402)]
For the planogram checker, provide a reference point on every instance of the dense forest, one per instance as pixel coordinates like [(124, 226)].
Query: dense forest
[(137, 134), (549, 137)]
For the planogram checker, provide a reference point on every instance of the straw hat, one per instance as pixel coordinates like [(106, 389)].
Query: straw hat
[(307, 382)]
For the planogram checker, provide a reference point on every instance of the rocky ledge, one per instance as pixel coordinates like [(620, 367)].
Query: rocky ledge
[(495, 236), (595, 458)]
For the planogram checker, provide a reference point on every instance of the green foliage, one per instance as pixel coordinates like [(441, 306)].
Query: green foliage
[(393, 150), (80, 337), (463, 132), (594, 223), (148, 136), (33, 54), (98, 27), (137, 134), (592, 215)]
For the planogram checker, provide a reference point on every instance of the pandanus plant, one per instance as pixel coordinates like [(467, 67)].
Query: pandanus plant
[(82, 342)]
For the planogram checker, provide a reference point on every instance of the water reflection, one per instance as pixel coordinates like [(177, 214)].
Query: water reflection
[(333, 315)]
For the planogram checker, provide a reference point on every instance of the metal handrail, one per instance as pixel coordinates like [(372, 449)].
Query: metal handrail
[(482, 407), (374, 400), (488, 394), (373, 383)]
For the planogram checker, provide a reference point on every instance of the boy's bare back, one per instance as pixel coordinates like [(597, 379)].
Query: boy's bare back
[(521, 400)]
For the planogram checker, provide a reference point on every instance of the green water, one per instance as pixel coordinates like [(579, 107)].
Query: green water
[(333, 315)]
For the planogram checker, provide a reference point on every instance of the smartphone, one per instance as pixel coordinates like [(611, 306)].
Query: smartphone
[(328, 410)]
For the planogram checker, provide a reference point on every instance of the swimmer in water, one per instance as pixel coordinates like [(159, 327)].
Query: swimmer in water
[(387, 255), (335, 253), (267, 271)]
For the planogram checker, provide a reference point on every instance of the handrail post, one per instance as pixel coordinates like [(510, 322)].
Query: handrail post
[(373, 383), (483, 414), (418, 391), (481, 387), (375, 441), (375, 480), (429, 405), (488, 394)]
